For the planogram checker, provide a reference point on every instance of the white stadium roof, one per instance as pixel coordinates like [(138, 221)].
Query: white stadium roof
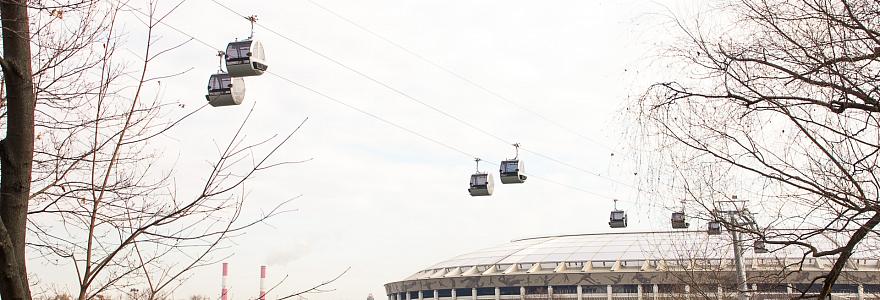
[(621, 251)]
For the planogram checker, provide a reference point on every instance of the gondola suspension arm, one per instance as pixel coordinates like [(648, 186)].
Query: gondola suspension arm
[(253, 20)]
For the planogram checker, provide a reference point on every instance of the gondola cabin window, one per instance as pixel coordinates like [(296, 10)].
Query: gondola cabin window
[(219, 85), (479, 180), (510, 167), (238, 53)]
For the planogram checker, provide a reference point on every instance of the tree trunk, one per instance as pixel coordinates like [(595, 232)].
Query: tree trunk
[(16, 149)]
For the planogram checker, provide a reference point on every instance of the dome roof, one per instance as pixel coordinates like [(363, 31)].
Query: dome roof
[(613, 249), (586, 247)]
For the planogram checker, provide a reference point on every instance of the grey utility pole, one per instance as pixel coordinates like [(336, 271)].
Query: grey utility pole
[(738, 216), (743, 287)]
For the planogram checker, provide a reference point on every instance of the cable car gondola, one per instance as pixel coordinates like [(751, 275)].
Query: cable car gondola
[(678, 219), (714, 228), (224, 90), (482, 184), (247, 57), (512, 169), (760, 247), (617, 218)]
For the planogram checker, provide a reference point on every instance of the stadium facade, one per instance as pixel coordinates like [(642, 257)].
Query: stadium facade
[(636, 265)]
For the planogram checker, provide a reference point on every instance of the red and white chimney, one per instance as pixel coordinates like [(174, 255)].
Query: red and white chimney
[(262, 283), (224, 293)]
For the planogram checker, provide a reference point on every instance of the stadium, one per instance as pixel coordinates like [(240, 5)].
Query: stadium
[(633, 265)]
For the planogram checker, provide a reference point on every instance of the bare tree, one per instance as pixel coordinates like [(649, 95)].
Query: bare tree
[(777, 101), (705, 264), (80, 162), (16, 148), (61, 297)]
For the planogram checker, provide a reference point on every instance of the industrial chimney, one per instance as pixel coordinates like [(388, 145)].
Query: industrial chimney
[(262, 283), (224, 292)]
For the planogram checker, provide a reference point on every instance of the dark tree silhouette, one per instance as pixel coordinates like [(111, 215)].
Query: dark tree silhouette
[(79, 159), (777, 101)]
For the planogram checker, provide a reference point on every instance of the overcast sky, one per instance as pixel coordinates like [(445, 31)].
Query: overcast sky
[(384, 201)]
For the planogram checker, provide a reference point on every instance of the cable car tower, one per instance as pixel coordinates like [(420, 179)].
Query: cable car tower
[(738, 219)]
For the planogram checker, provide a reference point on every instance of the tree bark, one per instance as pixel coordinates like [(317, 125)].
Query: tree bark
[(841, 261), (16, 149)]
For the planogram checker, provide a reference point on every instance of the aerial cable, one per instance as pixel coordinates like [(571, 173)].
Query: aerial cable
[(371, 78), (414, 99), (459, 76), (377, 117), (372, 115), (413, 132)]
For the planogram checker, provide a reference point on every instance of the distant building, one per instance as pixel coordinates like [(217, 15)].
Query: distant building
[(370, 296), (632, 266)]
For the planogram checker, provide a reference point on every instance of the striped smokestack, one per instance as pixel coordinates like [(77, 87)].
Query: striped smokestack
[(262, 282), (224, 292)]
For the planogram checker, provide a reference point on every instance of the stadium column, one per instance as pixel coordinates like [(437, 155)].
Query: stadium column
[(550, 292), (608, 291), (497, 293), (522, 293), (474, 294), (639, 291), (454, 295), (580, 291)]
